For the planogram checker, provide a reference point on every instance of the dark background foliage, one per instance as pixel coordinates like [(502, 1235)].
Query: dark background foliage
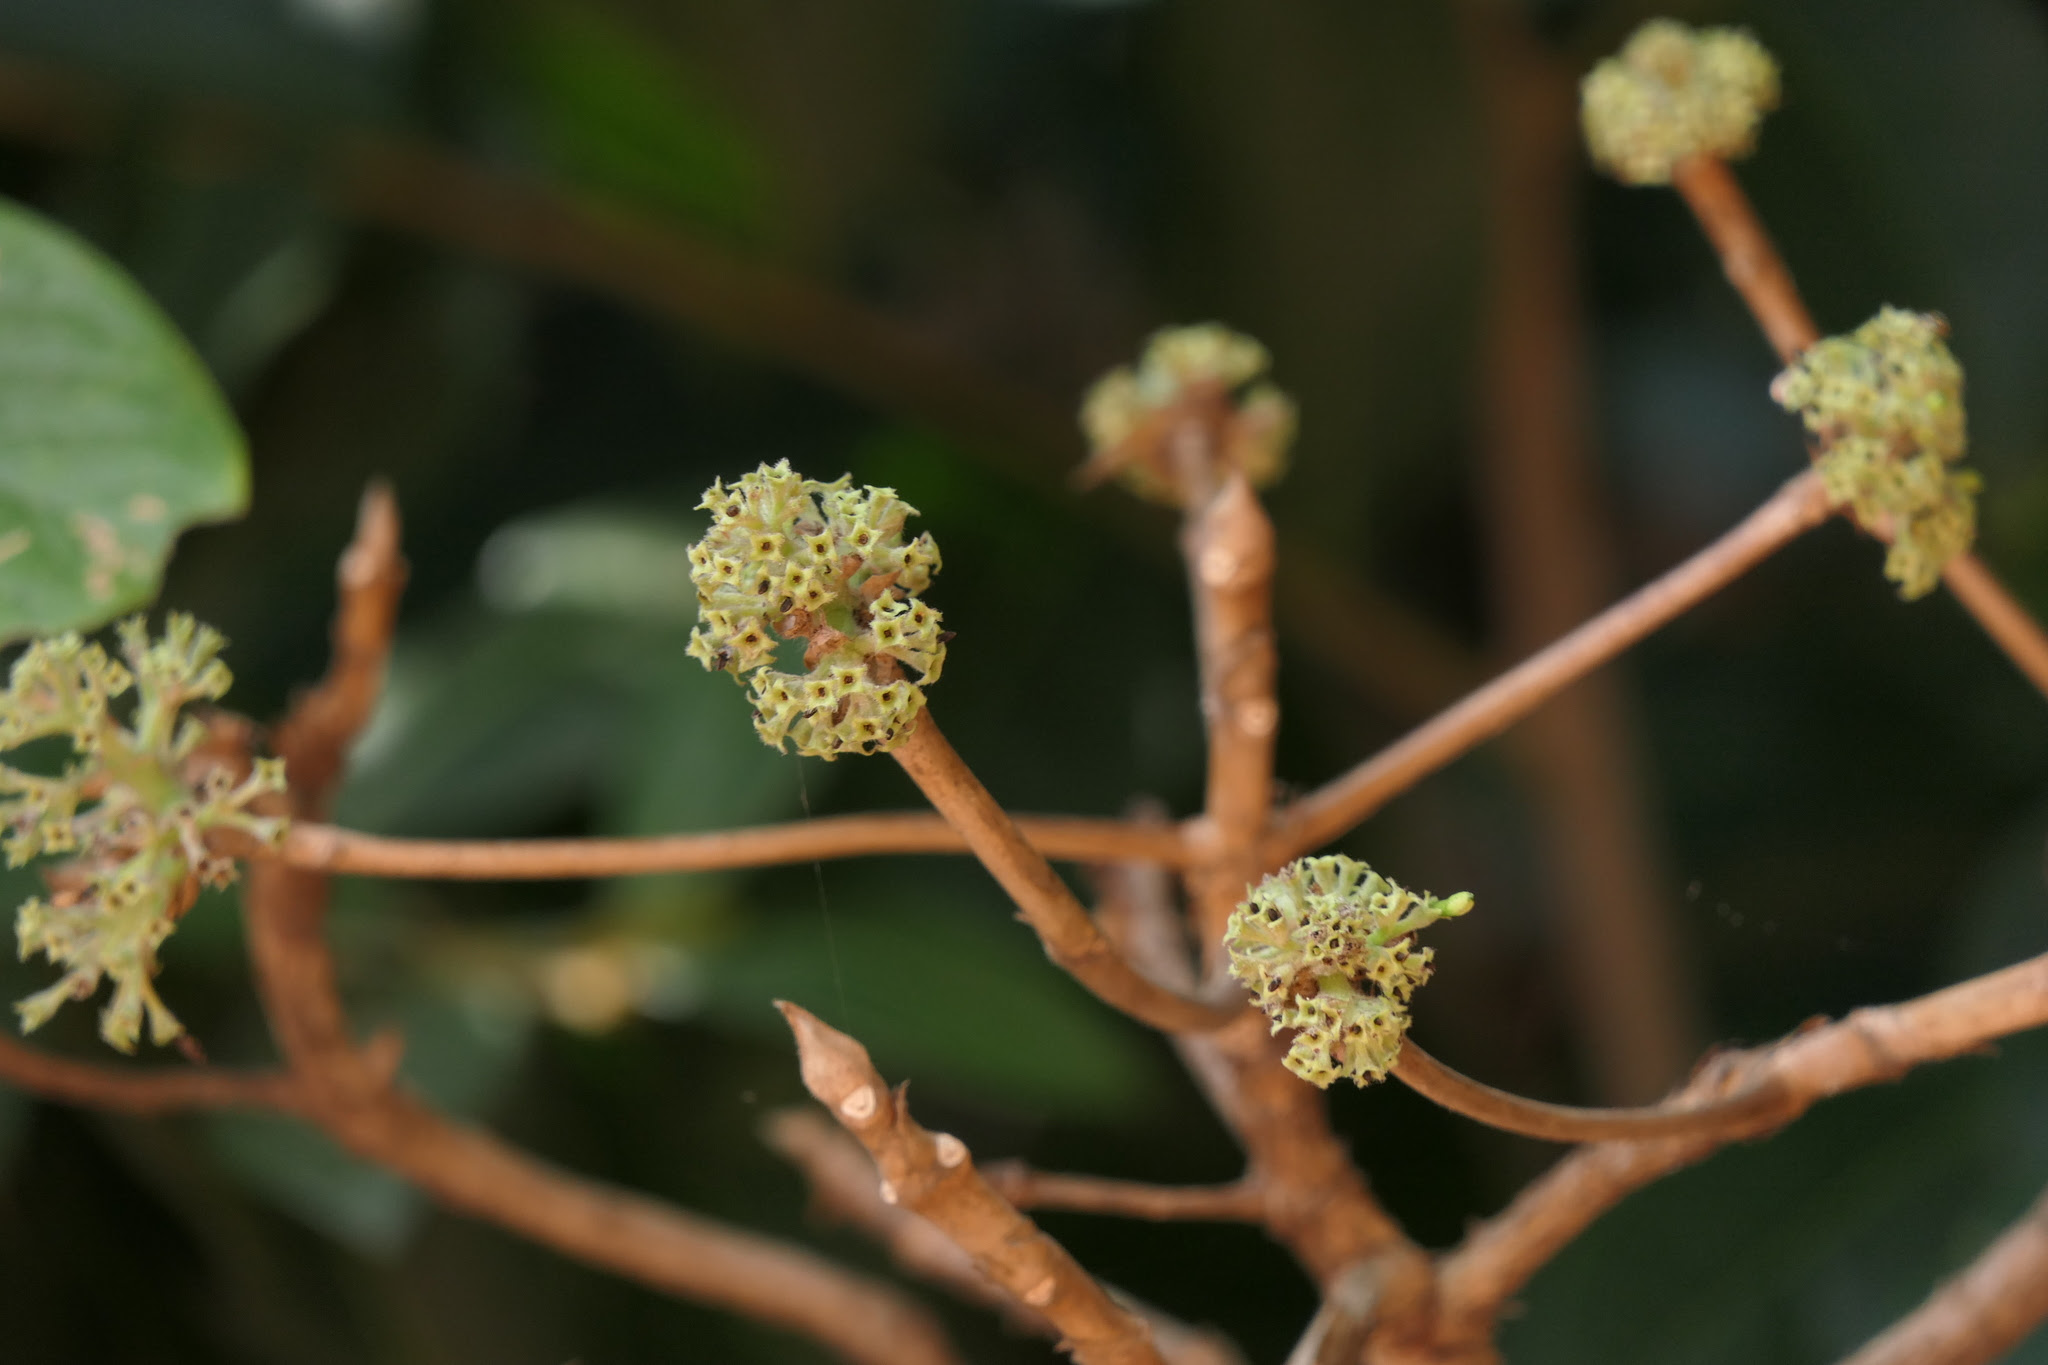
[(1848, 791)]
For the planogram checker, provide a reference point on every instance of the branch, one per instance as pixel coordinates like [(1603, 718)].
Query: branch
[(1871, 1045), (1980, 1314), (1043, 901), (1746, 1113), (2011, 626), (327, 848), (285, 907), (933, 1175), (845, 1188), (1228, 545), (1339, 1330), (1758, 273), (1238, 1202), (643, 1239), (325, 721), (1749, 257), (1323, 815), (134, 1090)]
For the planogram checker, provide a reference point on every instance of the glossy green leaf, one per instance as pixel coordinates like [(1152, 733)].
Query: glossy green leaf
[(112, 436)]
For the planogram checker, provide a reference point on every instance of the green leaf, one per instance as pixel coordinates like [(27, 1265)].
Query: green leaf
[(112, 436)]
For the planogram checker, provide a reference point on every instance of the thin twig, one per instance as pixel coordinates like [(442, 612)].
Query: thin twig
[(328, 848), (1743, 1114), (1238, 1202), (643, 1239), (2011, 626), (1982, 1313), (934, 1176), (846, 1189), (324, 722), (133, 1090), (1043, 901), (1334, 808), (1749, 257), (1874, 1044)]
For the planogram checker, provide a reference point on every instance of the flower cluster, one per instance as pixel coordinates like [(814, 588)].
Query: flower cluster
[(1675, 92), (1206, 373), (791, 559), (1326, 945), (133, 810), (1886, 405)]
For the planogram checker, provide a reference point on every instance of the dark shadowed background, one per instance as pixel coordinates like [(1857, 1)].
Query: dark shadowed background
[(551, 267)]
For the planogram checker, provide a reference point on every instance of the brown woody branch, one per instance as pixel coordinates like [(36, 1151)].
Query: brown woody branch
[(1071, 937), (1743, 1114), (349, 1092), (1344, 1320), (1993, 1305), (327, 848), (934, 1176), (134, 1090), (845, 1188), (325, 721), (1753, 265), (1749, 257), (1326, 813), (2011, 626), (1228, 545), (1869, 1046)]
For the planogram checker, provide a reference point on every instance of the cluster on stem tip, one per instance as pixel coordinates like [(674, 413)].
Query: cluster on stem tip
[(788, 561), (1885, 405), (1674, 92), (1327, 947), (132, 810), (1201, 383)]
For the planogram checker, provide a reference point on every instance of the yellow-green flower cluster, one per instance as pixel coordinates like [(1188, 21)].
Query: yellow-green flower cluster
[(792, 559), (1206, 373), (1886, 405), (1327, 946), (1674, 92), (133, 810)]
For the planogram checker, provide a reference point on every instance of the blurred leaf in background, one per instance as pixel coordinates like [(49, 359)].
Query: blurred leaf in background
[(622, 113), (112, 437)]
